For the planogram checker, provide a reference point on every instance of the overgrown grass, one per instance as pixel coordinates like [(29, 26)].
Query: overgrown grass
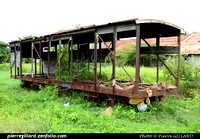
[(147, 74), (29, 111)]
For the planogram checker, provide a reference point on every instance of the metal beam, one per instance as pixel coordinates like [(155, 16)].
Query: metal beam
[(114, 54), (32, 47), (40, 52), (116, 58), (179, 51), (157, 45), (49, 47), (74, 33), (71, 74), (146, 42), (137, 73), (167, 68), (59, 57), (95, 60), (20, 60), (15, 61), (100, 60)]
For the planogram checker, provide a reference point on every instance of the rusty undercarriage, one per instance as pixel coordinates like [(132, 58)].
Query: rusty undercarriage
[(45, 49)]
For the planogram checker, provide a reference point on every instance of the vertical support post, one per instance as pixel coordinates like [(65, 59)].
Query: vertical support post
[(69, 56), (32, 47), (49, 47), (40, 52), (137, 73), (20, 60), (71, 76), (59, 56), (15, 61), (95, 60), (100, 60), (179, 51), (35, 65), (114, 54), (157, 45), (10, 63), (88, 58), (78, 48)]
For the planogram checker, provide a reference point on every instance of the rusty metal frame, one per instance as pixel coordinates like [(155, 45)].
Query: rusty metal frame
[(15, 61), (159, 59), (20, 59), (179, 51), (40, 54), (49, 47), (95, 60), (71, 74), (61, 55), (114, 54), (157, 45), (146, 42), (116, 58), (99, 89), (100, 59), (135, 89), (94, 87), (32, 47)]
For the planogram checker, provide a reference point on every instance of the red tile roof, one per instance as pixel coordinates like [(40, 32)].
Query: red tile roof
[(190, 43)]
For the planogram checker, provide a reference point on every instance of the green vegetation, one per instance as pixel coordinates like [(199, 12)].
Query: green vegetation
[(26, 37), (128, 55), (4, 52), (29, 111), (189, 74)]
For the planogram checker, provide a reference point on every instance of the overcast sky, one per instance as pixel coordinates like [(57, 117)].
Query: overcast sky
[(40, 17)]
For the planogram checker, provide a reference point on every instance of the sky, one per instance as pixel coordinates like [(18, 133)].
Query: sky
[(41, 17)]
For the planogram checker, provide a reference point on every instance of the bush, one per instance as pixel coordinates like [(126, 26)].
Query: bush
[(128, 55), (5, 66), (189, 74)]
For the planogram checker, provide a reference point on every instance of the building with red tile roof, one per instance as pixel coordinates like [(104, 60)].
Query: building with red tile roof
[(190, 43)]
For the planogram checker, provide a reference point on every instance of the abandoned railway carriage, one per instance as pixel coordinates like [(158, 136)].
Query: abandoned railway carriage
[(47, 51)]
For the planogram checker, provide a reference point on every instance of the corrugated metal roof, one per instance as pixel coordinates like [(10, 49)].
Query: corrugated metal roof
[(136, 20)]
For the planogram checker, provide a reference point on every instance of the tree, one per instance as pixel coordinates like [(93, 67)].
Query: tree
[(4, 52)]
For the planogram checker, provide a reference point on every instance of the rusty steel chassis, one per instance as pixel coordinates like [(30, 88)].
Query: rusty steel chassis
[(94, 89), (92, 93)]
